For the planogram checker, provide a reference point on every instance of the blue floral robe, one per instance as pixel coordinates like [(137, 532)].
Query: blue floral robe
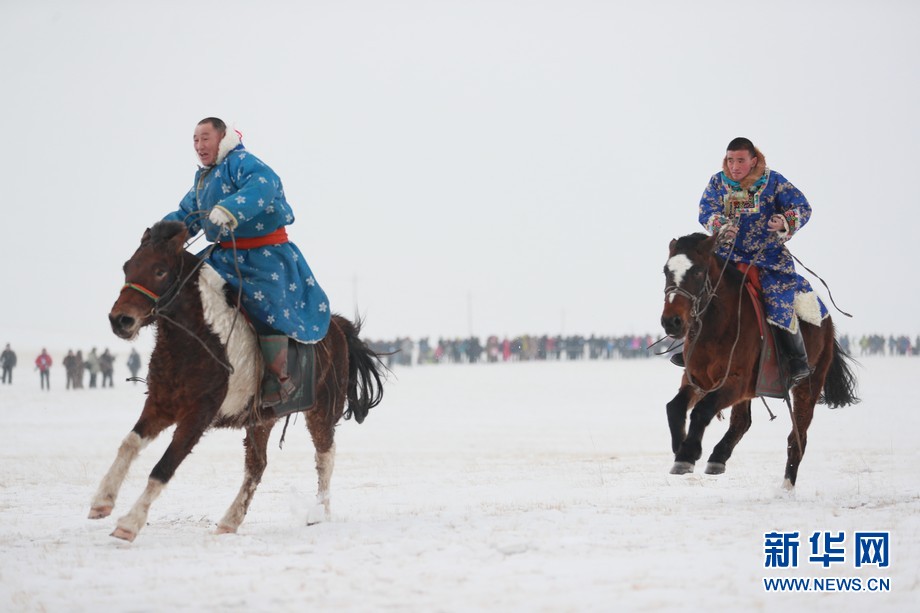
[(787, 296), (279, 290)]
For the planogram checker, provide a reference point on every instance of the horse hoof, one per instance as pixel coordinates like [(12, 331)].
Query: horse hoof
[(224, 530), (125, 535), (99, 512), (317, 515), (715, 468), (682, 468), (788, 485)]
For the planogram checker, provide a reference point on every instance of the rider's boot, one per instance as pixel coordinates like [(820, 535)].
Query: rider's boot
[(277, 385), (677, 359), (794, 346)]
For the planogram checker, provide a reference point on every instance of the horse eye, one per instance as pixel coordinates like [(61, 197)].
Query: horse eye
[(160, 273)]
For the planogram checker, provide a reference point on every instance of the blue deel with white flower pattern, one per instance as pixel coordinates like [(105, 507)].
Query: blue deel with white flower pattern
[(279, 289), (783, 287)]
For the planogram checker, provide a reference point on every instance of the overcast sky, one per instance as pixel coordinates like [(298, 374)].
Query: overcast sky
[(486, 166)]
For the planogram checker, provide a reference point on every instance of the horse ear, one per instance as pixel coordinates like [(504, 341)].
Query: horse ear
[(146, 236), (672, 244), (177, 242), (708, 246)]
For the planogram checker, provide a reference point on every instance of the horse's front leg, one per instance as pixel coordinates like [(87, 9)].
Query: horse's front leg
[(186, 436), (145, 430), (256, 444), (691, 448), (677, 416), (738, 425)]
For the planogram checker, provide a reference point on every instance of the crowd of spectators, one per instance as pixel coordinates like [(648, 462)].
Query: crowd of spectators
[(406, 351), (875, 344)]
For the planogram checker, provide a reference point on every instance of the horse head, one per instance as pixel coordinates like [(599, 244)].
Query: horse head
[(151, 274), (686, 281)]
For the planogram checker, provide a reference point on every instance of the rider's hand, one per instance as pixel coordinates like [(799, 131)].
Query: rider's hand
[(728, 233), (220, 217), (776, 223)]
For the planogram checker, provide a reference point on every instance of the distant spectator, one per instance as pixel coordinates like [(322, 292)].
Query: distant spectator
[(92, 365), (78, 368), (134, 364), (106, 360), (8, 362), (43, 364), (70, 370)]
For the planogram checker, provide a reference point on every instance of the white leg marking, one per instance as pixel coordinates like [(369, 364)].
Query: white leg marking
[(131, 524), (105, 496), (237, 511), (325, 462)]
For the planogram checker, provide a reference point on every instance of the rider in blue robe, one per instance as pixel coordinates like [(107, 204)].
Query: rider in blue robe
[(747, 203), (237, 197)]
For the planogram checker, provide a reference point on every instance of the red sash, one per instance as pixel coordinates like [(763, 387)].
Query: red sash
[(278, 237)]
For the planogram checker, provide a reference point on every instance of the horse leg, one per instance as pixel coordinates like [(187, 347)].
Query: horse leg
[(677, 416), (256, 444), (322, 432), (145, 430), (186, 436), (804, 410), (691, 448), (738, 425)]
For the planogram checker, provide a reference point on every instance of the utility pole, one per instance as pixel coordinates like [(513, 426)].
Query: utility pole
[(469, 312)]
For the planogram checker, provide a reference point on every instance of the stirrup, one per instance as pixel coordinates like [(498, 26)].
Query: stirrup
[(798, 370)]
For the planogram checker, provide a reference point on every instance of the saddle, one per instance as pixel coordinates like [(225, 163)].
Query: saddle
[(771, 381), (292, 362)]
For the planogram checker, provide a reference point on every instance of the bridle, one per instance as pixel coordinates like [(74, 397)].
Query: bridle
[(704, 297), (163, 301)]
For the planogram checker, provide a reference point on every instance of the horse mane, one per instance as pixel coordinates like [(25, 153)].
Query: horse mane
[(164, 231)]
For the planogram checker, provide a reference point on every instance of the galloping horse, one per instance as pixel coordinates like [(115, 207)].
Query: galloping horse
[(706, 305), (205, 372)]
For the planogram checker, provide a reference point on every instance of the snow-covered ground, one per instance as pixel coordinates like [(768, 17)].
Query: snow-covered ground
[(537, 486)]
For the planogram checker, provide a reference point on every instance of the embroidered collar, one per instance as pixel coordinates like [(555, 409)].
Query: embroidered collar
[(736, 185)]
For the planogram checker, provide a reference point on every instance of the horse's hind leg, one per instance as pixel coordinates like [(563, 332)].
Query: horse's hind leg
[(738, 425), (256, 444), (805, 399), (322, 430), (144, 431)]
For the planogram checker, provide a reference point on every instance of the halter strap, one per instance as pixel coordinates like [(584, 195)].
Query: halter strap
[(143, 290)]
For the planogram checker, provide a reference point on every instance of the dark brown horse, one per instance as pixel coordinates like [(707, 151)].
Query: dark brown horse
[(205, 372), (705, 307)]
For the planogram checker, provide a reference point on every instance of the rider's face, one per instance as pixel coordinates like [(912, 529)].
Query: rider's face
[(740, 163), (207, 141)]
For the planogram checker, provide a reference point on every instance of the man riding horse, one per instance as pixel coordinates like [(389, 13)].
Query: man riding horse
[(755, 211), (239, 203)]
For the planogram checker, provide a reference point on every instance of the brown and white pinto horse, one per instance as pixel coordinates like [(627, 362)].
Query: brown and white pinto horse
[(205, 372), (711, 312)]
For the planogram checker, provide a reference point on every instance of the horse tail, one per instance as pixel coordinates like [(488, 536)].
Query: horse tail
[(840, 382), (365, 373)]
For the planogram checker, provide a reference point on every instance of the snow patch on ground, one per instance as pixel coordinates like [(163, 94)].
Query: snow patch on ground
[(538, 486)]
